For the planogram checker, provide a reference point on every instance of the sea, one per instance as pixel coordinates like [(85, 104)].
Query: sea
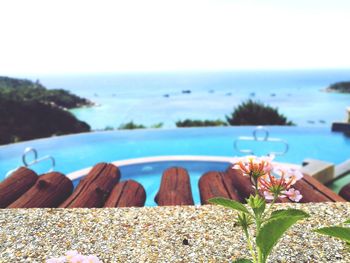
[(167, 97)]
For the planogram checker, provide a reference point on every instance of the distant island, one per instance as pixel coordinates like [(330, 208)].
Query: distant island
[(23, 90), (340, 87), (28, 111)]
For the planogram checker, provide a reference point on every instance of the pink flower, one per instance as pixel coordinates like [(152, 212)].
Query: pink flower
[(294, 175), (91, 259), (268, 195), (72, 253), (268, 162), (77, 259), (291, 174), (254, 166), (293, 195), (273, 181), (56, 260), (272, 186)]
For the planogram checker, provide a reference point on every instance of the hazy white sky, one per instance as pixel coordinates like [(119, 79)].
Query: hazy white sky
[(73, 36)]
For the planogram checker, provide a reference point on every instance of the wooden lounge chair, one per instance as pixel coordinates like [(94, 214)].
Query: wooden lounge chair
[(217, 184), (311, 189), (320, 170), (16, 185), (175, 188), (314, 191), (50, 190), (342, 169), (345, 192), (126, 194), (93, 190)]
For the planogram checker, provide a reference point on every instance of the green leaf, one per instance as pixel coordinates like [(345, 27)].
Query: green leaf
[(287, 212), (242, 260), (244, 220), (258, 204), (228, 203), (275, 227), (347, 221), (335, 231)]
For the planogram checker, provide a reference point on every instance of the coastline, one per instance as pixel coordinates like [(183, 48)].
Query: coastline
[(139, 97), (330, 90), (340, 87)]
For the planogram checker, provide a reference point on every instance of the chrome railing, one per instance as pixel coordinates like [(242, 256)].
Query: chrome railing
[(35, 160), (263, 137)]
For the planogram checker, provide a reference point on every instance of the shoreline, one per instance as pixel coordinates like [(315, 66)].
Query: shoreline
[(330, 90), (139, 97)]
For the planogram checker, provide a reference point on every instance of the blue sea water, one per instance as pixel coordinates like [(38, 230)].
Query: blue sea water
[(139, 97)]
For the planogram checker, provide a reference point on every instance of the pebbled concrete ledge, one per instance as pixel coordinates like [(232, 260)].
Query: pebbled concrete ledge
[(160, 234)]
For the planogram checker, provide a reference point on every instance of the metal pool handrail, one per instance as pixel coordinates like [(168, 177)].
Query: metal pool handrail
[(26, 152), (265, 137)]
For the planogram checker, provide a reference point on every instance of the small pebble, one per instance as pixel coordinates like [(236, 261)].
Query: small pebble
[(152, 234)]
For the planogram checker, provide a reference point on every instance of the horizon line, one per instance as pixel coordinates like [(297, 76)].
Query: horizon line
[(184, 71)]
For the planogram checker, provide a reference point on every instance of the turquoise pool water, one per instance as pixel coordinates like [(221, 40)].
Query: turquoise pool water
[(76, 152)]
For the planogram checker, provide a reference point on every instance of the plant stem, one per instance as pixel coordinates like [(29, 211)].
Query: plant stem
[(259, 221), (270, 206), (260, 257), (252, 252), (258, 226)]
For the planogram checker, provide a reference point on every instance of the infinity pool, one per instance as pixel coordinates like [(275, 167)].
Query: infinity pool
[(76, 152)]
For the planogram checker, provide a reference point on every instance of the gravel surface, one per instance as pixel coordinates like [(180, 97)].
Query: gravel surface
[(160, 234)]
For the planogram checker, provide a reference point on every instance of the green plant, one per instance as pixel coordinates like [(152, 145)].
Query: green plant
[(130, 126), (157, 125), (270, 183), (108, 128), (341, 232), (256, 113), (200, 123)]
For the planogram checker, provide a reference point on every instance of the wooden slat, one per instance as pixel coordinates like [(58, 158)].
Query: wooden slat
[(217, 184), (175, 188), (93, 190), (342, 169), (310, 194), (241, 183), (16, 185), (50, 190), (323, 189), (313, 191), (127, 194), (345, 192)]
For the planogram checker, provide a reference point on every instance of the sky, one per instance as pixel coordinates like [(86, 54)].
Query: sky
[(83, 36)]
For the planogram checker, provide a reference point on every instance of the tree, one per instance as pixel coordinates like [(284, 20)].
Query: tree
[(130, 126), (26, 120), (200, 123), (256, 113)]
